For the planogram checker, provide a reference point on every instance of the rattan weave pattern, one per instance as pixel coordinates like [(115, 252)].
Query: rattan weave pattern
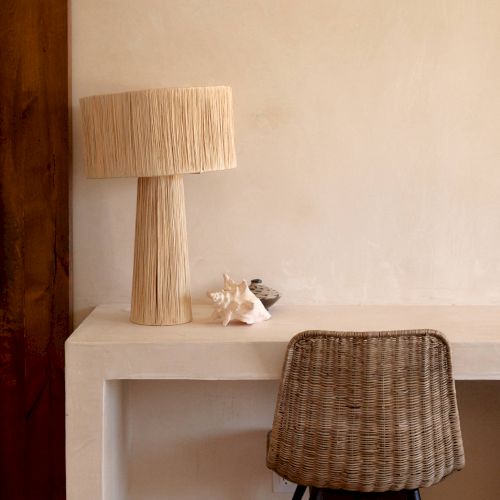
[(366, 411)]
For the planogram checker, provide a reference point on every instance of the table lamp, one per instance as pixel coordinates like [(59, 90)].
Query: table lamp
[(157, 135)]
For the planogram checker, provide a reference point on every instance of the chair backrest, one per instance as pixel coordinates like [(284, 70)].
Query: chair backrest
[(366, 411)]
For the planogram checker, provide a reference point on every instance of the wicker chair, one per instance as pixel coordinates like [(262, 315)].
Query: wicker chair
[(366, 412)]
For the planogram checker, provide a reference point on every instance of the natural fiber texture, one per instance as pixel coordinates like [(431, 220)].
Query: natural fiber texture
[(158, 132), (160, 288), (366, 412)]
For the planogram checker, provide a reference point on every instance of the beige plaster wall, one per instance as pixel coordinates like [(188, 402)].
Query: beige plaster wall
[(367, 138), (368, 149)]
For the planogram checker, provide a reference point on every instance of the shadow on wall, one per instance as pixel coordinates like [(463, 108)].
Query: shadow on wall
[(479, 407), (216, 464)]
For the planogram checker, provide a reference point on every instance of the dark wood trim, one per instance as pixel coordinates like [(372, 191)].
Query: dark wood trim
[(34, 255)]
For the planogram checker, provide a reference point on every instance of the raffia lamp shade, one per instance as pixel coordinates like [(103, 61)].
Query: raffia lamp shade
[(157, 135)]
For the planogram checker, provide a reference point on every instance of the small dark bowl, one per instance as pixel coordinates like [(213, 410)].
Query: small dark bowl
[(267, 295)]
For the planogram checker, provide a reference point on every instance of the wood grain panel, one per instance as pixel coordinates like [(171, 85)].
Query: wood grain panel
[(34, 252)]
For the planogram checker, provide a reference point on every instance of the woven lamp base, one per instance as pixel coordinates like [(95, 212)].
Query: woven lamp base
[(161, 289)]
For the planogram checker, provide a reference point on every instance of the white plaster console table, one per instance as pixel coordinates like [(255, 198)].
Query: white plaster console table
[(107, 349)]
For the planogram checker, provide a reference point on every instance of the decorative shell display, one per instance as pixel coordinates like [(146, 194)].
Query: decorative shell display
[(266, 294), (236, 301)]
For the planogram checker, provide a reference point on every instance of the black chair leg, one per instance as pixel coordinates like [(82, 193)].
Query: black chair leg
[(318, 493), (299, 492), (326, 494)]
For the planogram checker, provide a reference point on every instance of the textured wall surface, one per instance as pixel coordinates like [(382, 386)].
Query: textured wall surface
[(367, 140), (368, 152)]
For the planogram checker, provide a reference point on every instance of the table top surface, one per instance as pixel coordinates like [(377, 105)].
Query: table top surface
[(110, 324)]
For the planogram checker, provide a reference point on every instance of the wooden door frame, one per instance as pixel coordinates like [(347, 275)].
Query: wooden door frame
[(34, 254)]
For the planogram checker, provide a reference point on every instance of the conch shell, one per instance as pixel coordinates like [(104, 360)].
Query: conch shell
[(236, 301)]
